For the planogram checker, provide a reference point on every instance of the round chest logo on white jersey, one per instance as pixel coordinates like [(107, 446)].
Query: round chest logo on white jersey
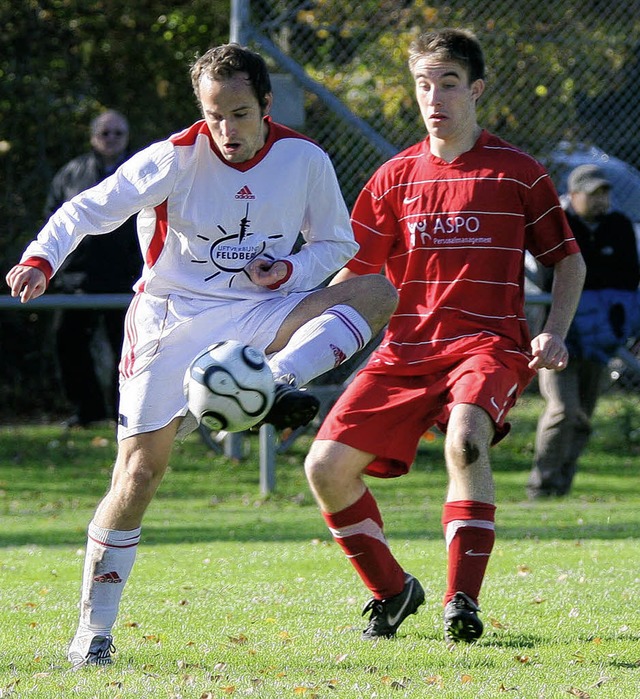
[(230, 255)]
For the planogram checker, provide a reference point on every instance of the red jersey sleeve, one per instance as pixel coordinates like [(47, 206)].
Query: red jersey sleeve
[(375, 230)]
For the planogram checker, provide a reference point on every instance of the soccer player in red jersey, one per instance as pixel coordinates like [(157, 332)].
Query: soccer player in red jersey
[(449, 221)]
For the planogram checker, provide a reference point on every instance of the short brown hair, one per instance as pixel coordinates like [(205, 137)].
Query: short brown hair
[(223, 62), (459, 45)]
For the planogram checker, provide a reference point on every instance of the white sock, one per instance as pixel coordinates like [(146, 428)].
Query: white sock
[(321, 344), (108, 562)]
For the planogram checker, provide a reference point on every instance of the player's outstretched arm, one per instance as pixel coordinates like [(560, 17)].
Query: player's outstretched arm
[(26, 282)]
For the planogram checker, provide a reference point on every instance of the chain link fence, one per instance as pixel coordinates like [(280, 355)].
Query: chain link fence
[(563, 79)]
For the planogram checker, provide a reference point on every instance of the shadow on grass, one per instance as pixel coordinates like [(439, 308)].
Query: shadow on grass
[(306, 529)]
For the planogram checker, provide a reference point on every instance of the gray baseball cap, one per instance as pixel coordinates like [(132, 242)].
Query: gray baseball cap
[(587, 178)]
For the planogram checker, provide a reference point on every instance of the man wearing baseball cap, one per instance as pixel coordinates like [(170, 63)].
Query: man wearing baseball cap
[(587, 178), (608, 314)]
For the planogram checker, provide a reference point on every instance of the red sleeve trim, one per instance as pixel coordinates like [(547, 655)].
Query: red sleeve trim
[(285, 279), (40, 263)]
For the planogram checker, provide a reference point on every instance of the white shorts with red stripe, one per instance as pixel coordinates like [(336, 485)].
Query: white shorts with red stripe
[(164, 334)]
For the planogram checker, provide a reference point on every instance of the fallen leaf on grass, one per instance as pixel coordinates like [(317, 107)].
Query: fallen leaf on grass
[(184, 665), (524, 659), (434, 680), (502, 688), (9, 689), (497, 624), (575, 692), (465, 679), (240, 639), (396, 684)]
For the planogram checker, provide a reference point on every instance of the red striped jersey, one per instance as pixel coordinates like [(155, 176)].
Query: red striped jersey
[(452, 238)]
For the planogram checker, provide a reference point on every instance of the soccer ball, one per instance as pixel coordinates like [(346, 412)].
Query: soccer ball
[(229, 386)]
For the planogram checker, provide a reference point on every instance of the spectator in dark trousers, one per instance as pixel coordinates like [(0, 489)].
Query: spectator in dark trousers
[(606, 317), (100, 264)]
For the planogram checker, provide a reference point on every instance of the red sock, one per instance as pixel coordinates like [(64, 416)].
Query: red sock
[(358, 530), (469, 531)]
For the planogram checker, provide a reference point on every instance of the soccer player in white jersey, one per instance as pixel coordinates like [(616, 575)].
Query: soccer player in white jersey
[(449, 219), (220, 207)]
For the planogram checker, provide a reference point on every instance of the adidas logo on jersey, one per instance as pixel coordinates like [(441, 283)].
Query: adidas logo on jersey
[(111, 577), (244, 193)]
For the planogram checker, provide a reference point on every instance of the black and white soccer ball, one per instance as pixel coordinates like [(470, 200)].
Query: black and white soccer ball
[(229, 386)]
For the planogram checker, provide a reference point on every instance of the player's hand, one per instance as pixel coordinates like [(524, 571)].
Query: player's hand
[(549, 352), (264, 272), (26, 282)]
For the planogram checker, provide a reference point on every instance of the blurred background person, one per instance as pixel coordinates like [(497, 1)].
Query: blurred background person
[(607, 316), (100, 264)]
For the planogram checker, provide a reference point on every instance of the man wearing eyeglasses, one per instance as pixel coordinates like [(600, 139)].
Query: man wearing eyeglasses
[(100, 264)]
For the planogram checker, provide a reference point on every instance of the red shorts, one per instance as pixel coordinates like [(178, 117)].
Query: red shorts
[(386, 415)]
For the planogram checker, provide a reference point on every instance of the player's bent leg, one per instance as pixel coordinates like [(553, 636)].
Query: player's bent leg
[(372, 296), (334, 472), (113, 537)]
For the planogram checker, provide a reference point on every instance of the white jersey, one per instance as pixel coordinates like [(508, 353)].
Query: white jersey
[(201, 219)]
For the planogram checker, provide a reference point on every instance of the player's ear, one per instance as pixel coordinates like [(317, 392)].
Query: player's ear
[(477, 88), (268, 103)]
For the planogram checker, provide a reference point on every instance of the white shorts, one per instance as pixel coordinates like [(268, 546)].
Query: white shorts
[(162, 337)]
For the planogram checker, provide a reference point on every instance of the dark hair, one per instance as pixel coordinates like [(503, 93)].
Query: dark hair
[(459, 45), (223, 62)]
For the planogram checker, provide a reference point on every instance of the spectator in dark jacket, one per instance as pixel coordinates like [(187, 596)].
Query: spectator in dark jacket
[(100, 264), (608, 314)]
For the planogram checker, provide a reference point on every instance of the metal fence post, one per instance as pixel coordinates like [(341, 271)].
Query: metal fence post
[(267, 440)]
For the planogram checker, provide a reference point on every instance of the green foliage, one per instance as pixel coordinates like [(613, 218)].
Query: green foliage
[(63, 61)]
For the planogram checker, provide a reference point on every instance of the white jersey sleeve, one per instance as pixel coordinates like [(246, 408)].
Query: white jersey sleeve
[(144, 180)]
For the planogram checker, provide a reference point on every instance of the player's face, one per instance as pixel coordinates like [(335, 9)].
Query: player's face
[(446, 99), (234, 116)]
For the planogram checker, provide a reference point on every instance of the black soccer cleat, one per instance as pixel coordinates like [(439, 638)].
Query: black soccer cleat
[(461, 620), (292, 407), (388, 614)]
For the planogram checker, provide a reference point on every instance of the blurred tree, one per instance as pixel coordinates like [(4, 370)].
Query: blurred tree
[(61, 63)]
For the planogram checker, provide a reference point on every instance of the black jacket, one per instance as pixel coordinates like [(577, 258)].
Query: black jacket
[(108, 263), (609, 250)]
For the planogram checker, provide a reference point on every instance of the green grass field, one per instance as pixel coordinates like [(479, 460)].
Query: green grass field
[(234, 594)]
